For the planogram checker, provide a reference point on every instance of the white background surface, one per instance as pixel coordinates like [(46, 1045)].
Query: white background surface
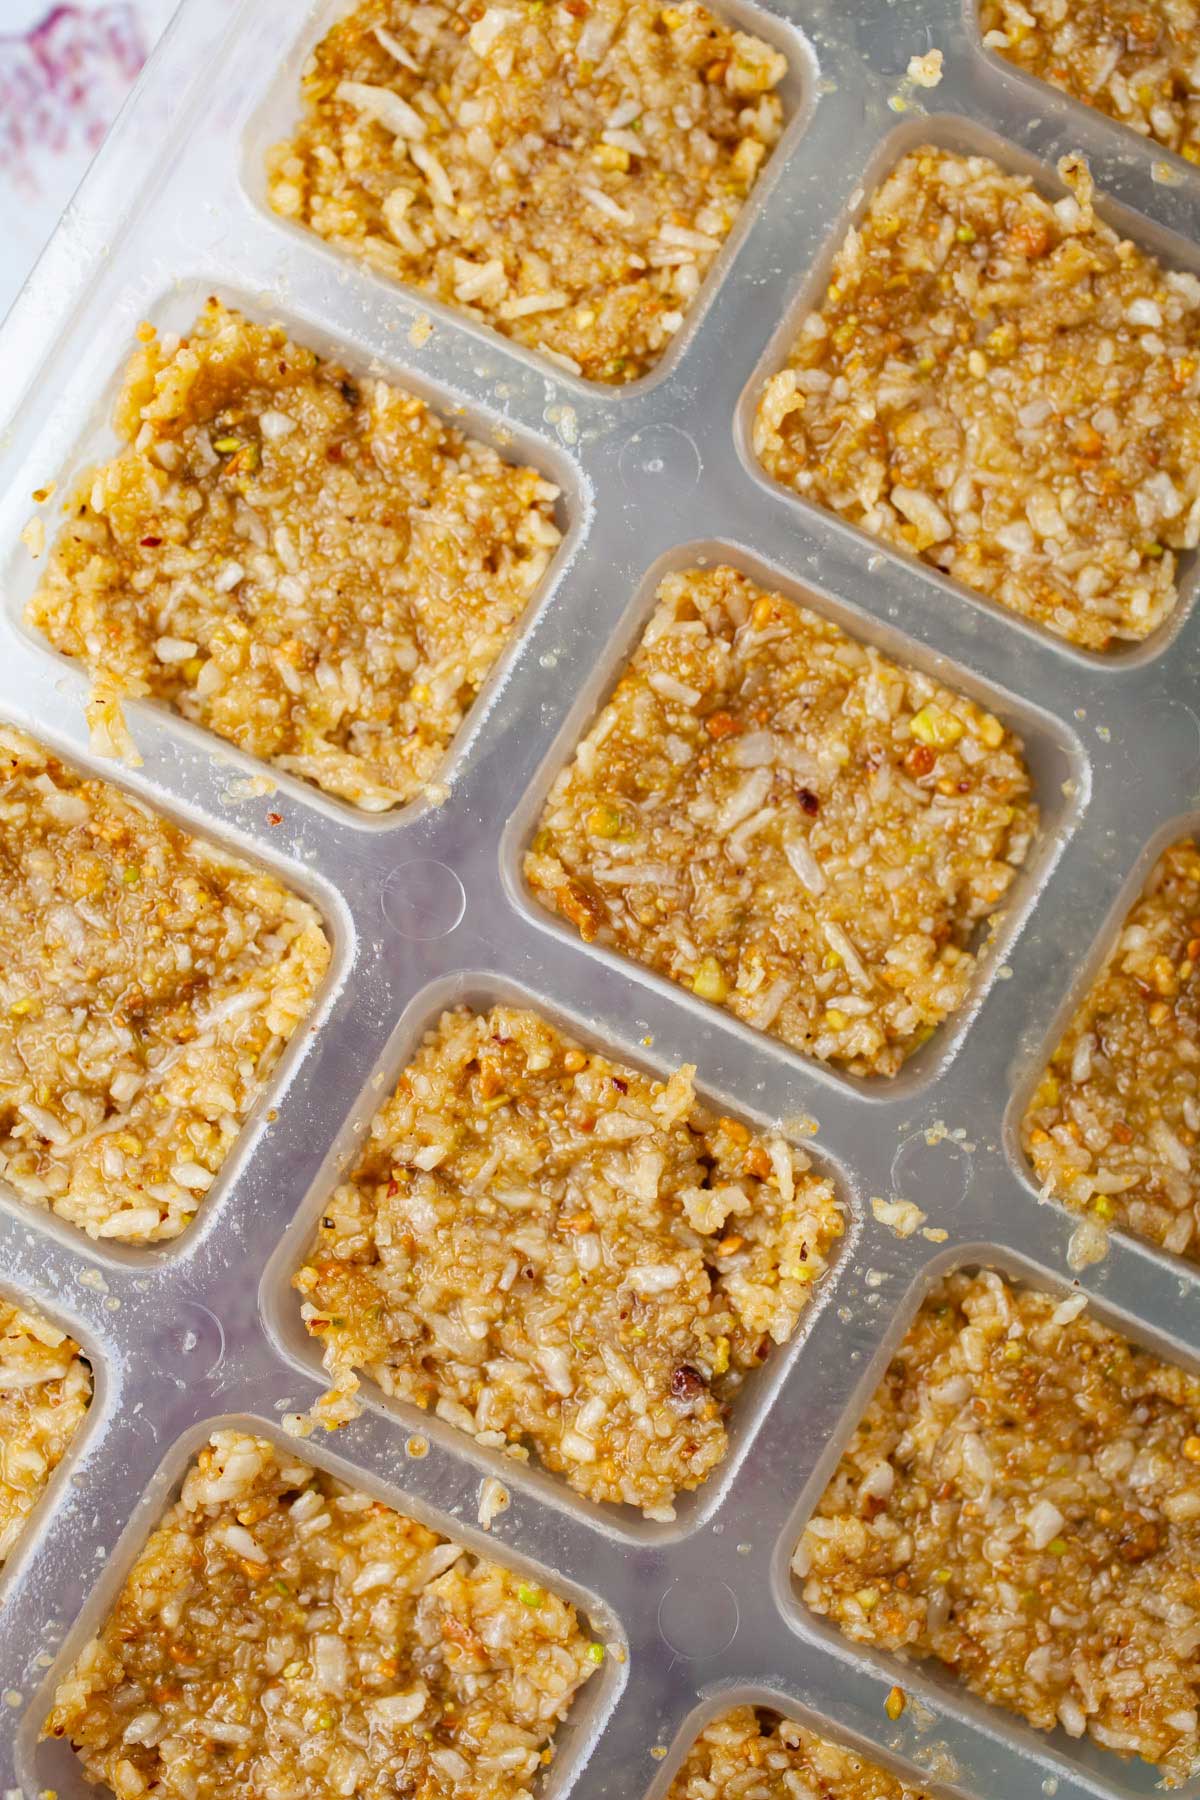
[(64, 72)]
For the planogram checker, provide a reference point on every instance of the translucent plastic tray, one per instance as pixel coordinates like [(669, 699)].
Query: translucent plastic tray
[(427, 905)]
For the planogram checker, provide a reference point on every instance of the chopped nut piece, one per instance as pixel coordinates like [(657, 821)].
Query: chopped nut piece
[(566, 173), (926, 71), (687, 1384), (546, 1275), (971, 326), (1040, 1527), (936, 728), (1113, 1124), (386, 1659), (793, 870), (900, 1216), (709, 981)]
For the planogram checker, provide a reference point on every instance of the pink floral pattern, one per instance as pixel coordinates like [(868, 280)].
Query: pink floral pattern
[(64, 72), (62, 83)]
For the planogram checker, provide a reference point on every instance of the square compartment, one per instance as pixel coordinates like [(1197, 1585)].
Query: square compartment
[(276, 117), (333, 921), (281, 1306), (89, 1422), (1054, 756), (925, 1677), (962, 136), (714, 1709), (53, 1764), (94, 441), (1038, 85), (1173, 1263)]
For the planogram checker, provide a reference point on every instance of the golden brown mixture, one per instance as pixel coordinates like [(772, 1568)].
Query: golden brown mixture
[(750, 1753), (565, 1257), (777, 817), (1113, 1125), (148, 985), (281, 1634), (313, 566), (564, 170), (45, 1389), (1006, 389), (1136, 60), (1021, 1502)]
